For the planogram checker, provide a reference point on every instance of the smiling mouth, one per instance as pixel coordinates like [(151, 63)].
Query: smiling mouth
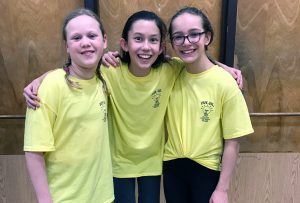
[(144, 56), (88, 52), (186, 52)]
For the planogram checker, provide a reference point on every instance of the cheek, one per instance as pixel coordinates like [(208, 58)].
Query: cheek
[(157, 48), (131, 48), (71, 47), (70, 50), (101, 45)]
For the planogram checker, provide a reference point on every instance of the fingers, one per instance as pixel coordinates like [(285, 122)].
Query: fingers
[(31, 98), (239, 78), (30, 92), (111, 59), (34, 90), (31, 102), (104, 61), (116, 54), (240, 82), (237, 75)]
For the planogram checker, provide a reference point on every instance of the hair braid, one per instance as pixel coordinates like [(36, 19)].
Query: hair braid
[(104, 84), (66, 68)]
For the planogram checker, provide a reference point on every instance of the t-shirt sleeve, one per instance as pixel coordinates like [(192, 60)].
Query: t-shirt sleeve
[(39, 123), (235, 117)]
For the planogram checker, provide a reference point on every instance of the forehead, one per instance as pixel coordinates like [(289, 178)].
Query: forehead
[(186, 22), (148, 27), (82, 23)]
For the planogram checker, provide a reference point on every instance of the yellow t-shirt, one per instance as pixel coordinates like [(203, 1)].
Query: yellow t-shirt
[(204, 109), (138, 106), (71, 128)]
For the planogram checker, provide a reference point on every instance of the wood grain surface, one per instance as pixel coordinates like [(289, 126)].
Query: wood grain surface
[(258, 178), (266, 177), (114, 14), (267, 51), (30, 44), (15, 184)]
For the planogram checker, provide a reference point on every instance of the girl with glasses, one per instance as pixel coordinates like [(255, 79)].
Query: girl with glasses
[(205, 117)]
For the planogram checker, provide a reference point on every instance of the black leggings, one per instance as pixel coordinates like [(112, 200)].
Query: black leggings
[(148, 189), (186, 181)]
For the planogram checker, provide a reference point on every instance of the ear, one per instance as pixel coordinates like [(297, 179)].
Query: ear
[(162, 47), (207, 38), (124, 44), (104, 41), (67, 47)]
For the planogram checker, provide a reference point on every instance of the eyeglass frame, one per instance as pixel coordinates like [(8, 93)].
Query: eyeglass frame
[(187, 37)]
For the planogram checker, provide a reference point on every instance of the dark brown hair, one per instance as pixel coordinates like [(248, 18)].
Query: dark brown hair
[(194, 11)]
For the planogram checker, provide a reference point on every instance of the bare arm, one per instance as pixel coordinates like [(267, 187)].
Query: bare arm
[(230, 155), (37, 172), (235, 73), (31, 90)]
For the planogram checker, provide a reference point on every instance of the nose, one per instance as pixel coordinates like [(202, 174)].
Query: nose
[(186, 41), (85, 42), (146, 45)]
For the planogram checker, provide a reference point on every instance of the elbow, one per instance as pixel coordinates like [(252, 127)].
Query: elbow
[(232, 144)]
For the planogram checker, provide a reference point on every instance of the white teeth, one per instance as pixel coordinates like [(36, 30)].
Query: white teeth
[(144, 56), (187, 51), (87, 52)]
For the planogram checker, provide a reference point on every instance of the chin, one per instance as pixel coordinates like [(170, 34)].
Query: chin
[(89, 66), (145, 66), (187, 60)]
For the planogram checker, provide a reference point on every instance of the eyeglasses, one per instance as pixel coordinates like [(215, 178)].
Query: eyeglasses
[(192, 38)]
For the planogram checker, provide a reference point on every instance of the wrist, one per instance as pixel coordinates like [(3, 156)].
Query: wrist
[(38, 80), (222, 189), (45, 198)]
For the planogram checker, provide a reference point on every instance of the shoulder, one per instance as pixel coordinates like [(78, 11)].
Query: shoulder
[(176, 62), (54, 76), (174, 65), (106, 71), (224, 77), (225, 82), (53, 80)]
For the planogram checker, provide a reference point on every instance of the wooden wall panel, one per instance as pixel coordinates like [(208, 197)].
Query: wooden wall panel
[(266, 177), (258, 178), (15, 184), (11, 136), (267, 51), (114, 14), (31, 43)]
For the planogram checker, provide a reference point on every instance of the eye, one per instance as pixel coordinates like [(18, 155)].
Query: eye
[(138, 39), (92, 35), (194, 35), (178, 38), (154, 40), (76, 37)]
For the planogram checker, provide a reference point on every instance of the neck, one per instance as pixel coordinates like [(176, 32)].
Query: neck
[(82, 73), (139, 72), (199, 66)]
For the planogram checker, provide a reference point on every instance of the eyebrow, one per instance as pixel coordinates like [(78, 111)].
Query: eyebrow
[(189, 31), (139, 33)]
